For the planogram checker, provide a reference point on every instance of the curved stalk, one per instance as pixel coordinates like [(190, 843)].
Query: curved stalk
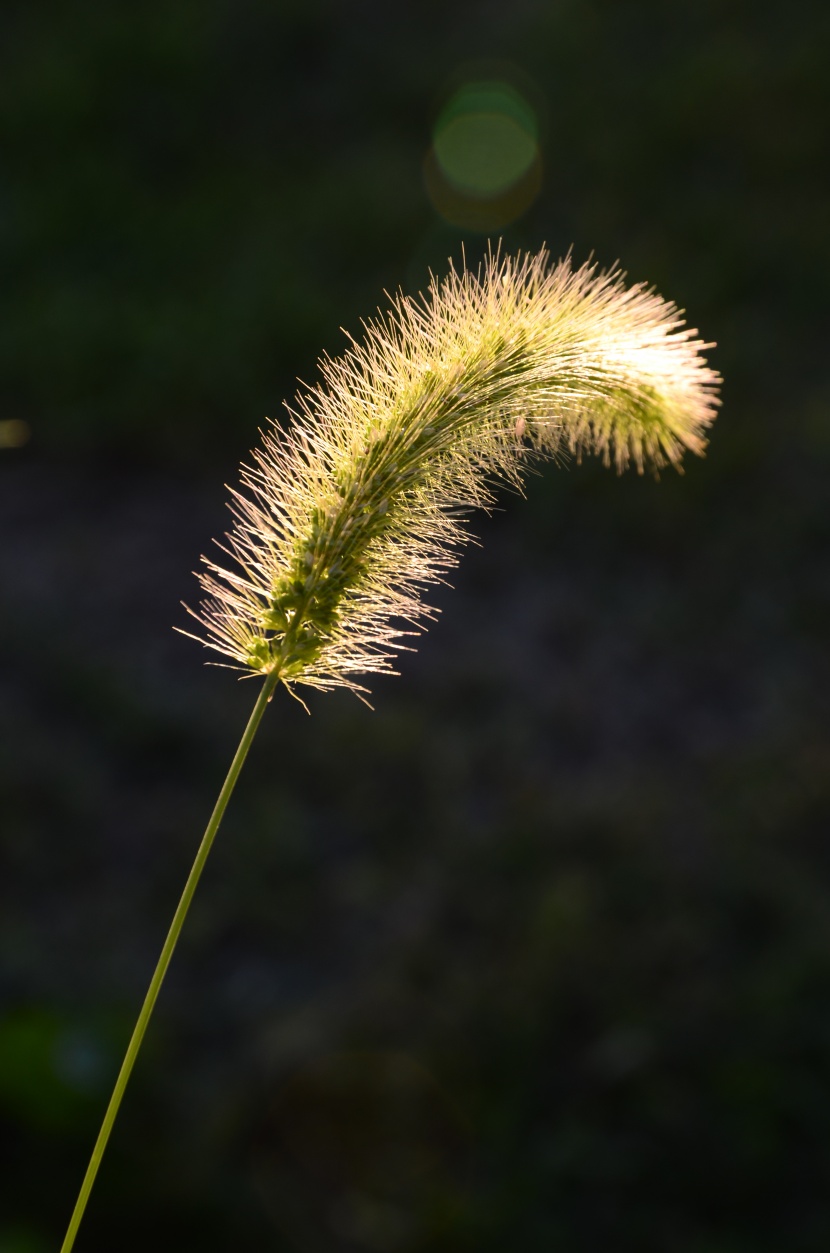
[(198, 866)]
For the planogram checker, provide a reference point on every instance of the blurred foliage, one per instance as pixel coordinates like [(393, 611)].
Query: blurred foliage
[(537, 955), (49, 1071)]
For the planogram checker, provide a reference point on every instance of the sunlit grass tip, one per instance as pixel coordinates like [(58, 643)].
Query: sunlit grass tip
[(345, 516)]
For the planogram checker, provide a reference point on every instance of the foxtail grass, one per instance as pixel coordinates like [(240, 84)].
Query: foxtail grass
[(346, 515)]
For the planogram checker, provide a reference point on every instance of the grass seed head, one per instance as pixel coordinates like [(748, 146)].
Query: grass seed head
[(342, 519)]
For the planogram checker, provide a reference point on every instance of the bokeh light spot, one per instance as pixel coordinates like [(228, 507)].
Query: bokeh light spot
[(485, 138), (14, 433), (483, 169)]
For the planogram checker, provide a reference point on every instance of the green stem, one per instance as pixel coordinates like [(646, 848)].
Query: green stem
[(270, 683)]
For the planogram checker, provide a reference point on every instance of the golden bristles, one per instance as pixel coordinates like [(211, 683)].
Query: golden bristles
[(343, 518)]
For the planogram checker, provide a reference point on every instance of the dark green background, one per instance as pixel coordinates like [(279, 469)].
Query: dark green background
[(537, 955)]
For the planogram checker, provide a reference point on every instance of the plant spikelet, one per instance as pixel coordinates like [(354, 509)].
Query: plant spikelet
[(343, 518)]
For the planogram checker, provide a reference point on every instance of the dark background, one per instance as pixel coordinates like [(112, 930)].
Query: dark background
[(537, 955)]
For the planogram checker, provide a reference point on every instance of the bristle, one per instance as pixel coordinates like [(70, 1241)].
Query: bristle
[(344, 518)]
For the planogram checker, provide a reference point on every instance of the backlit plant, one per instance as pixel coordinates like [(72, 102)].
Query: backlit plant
[(348, 514)]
